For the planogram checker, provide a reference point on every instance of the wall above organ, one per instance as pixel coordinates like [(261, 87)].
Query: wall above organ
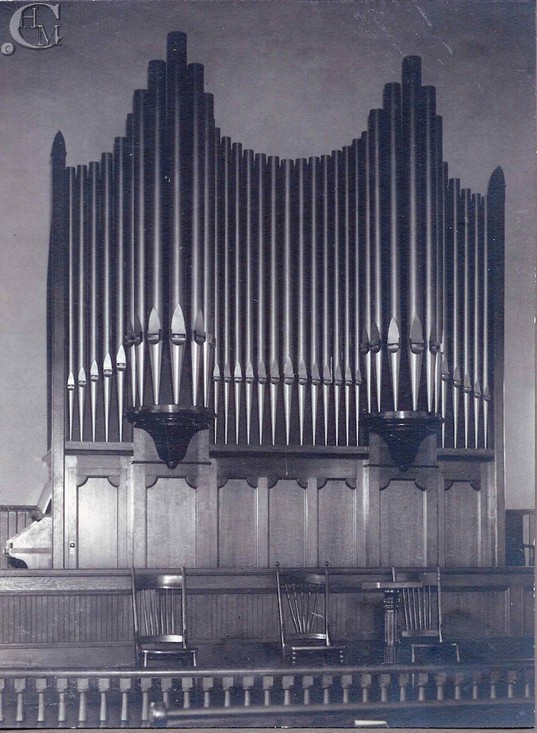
[(308, 304)]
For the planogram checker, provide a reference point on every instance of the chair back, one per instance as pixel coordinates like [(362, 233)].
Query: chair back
[(159, 606), (303, 604), (421, 606)]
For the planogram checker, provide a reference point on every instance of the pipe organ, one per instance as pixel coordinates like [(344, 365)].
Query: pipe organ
[(303, 302)]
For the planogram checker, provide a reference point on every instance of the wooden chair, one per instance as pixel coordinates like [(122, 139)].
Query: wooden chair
[(420, 614), (303, 609), (159, 609)]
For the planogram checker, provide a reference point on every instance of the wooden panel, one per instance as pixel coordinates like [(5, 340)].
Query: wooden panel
[(171, 524), (287, 524), (237, 524), (403, 525), (528, 612), (337, 524), (476, 614), (356, 615), (462, 517), (59, 618), (97, 528), (213, 617)]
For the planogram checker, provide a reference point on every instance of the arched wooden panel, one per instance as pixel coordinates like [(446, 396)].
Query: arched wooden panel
[(337, 524), (403, 525), (171, 524), (463, 525), (97, 524), (237, 525), (287, 524)]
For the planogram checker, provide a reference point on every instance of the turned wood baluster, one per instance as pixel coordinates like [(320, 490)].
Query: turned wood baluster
[(187, 683), (403, 680), (19, 685), (2, 688), (307, 682), (247, 684), (40, 687), (327, 681), (207, 685), (346, 684), (440, 680), (512, 679), (125, 686), (366, 681), (103, 685), (287, 683), (227, 684), (476, 680), (145, 686), (528, 682), (82, 685), (166, 686), (384, 684), (422, 680), (61, 686), (493, 681), (458, 682), (268, 684)]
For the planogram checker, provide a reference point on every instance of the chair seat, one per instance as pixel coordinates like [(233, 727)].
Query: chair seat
[(306, 643), (420, 634), (165, 644)]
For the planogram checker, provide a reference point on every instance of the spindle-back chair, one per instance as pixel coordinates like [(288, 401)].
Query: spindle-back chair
[(160, 623), (303, 609), (420, 614)]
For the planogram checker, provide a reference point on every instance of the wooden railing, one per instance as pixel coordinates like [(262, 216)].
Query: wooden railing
[(134, 698)]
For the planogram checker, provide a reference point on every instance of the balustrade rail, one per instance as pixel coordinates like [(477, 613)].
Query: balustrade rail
[(134, 698)]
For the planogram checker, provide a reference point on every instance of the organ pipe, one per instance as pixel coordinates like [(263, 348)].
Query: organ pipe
[(107, 286), (392, 110), (274, 298), (94, 287), (315, 284), (303, 288), (121, 217), (261, 360), (176, 104), (249, 291), (139, 249), (227, 256), (358, 279), (208, 241), (155, 229), (71, 194)]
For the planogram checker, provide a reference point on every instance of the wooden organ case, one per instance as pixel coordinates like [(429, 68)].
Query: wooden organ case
[(341, 316)]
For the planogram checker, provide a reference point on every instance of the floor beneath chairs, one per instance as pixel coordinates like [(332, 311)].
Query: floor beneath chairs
[(239, 653)]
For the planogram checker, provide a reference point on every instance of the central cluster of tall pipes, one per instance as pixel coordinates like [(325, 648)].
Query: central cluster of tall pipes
[(291, 296)]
